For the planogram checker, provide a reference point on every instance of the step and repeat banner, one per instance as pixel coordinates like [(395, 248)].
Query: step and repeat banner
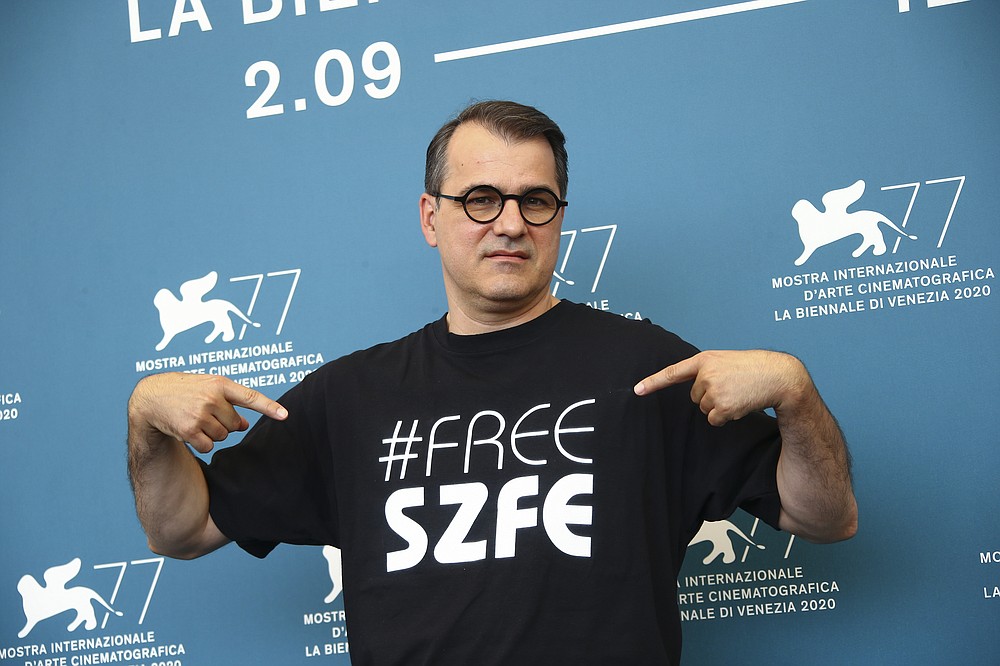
[(230, 187)]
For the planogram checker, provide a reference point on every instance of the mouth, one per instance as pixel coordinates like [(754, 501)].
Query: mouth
[(507, 255)]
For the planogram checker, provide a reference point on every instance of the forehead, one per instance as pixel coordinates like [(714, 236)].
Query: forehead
[(476, 156)]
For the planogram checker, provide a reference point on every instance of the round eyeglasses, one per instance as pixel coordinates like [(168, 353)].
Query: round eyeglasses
[(484, 204)]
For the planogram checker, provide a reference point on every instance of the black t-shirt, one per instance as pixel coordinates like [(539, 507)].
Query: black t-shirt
[(501, 498)]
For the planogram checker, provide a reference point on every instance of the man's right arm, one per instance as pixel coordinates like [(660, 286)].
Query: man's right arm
[(171, 495)]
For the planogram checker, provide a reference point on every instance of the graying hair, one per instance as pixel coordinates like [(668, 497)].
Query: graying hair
[(509, 121)]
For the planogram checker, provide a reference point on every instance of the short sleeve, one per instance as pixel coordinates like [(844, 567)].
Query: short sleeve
[(716, 469), (729, 467), (276, 486)]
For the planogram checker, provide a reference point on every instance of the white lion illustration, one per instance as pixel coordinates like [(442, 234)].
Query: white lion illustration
[(717, 533), (177, 316), (41, 603), (817, 229)]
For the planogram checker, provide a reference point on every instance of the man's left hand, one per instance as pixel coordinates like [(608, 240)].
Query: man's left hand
[(728, 385)]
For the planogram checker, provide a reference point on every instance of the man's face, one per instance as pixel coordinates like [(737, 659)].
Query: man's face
[(505, 266)]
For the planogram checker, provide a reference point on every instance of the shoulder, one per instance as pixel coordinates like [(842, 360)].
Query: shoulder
[(387, 350), (588, 323), (377, 363)]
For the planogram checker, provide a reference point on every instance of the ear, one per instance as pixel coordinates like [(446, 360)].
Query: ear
[(428, 218)]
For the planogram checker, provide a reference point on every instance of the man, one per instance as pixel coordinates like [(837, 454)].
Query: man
[(496, 500)]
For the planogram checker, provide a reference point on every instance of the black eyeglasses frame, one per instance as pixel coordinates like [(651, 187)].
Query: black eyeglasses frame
[(504, 198)]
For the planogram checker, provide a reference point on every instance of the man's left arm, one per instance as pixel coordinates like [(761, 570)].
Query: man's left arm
[(814, 467)]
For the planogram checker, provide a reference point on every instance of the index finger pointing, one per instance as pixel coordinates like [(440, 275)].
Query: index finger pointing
[(677, 373), (242, 396)]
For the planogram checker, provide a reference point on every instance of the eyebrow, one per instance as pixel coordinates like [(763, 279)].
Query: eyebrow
[(527, 188)]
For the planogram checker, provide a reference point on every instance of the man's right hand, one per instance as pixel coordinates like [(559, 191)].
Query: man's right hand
[(197, 409)]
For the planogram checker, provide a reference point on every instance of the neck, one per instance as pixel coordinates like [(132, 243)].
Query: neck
[(466, 321)]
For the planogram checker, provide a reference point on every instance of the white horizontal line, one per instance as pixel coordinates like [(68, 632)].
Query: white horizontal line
[(612, 29)]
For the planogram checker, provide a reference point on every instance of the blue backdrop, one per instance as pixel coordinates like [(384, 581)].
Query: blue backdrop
[(727, 163)]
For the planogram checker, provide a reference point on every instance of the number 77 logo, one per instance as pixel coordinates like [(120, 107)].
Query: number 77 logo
[(259, 279), (913, 197), (560, 273), (158, 561)]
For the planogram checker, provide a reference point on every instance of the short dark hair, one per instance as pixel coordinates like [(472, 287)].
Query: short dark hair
[(511, 122)]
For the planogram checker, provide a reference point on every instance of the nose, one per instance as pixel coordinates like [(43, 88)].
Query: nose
[(509, 223)]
